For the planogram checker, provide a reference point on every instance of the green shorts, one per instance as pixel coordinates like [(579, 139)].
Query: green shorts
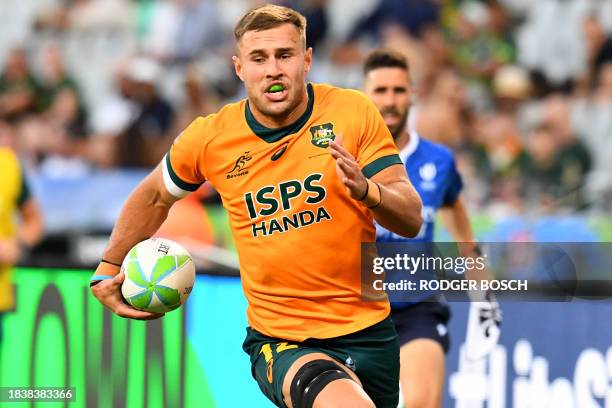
[(372, 353)]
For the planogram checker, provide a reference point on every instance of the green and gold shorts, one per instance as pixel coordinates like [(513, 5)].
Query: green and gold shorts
[(372, 353)]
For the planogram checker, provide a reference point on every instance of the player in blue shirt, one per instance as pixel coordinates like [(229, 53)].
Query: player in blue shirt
[(421, 324)]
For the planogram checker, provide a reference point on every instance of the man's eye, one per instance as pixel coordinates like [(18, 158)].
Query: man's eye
[(258, 59), (285, 56)]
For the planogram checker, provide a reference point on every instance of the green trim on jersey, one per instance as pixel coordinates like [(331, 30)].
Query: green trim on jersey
[(379, 164), (274, 135), (177, 180)]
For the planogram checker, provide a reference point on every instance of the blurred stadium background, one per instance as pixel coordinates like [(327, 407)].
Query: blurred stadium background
[(92, 93)]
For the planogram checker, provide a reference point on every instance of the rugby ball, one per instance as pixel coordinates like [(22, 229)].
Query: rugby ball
[(159, 275)]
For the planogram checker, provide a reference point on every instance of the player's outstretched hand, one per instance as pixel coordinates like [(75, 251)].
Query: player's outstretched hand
[(108, 292), (348, 170)]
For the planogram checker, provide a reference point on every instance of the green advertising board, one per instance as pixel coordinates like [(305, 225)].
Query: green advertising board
[(60, 336)]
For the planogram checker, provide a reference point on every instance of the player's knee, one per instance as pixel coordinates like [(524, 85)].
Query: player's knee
[(311, 379), (422, 397)]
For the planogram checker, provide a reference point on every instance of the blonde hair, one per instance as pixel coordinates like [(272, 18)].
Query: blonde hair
[(270, 16)]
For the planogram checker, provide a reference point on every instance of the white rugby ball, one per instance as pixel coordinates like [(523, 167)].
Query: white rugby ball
[(159, 275)]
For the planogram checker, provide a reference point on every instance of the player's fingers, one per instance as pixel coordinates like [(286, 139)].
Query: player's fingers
[(351, 184), (340, 149), (126, 311), (118, 280), (337, 150), (335, 154), (346, 167)]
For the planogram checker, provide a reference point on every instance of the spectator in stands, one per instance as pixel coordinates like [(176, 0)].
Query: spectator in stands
[(478, 48), (19, 90), (86, 15), (598, 45), (574, 156), (199, 29), (143, 143), (499, 156), (511, 87), (557, 58), (111, 117), (54, 76), (442, 113), (61, 96), (543, 173), (199, 101)]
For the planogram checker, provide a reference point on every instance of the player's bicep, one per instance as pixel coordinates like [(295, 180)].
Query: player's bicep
[(156, 184), (396, 181), (183, 166), (395, 173)]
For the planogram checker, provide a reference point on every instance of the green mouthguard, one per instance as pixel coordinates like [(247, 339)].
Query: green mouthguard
[(276, 88)]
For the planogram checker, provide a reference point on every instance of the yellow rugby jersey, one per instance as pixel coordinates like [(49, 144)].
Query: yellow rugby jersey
[(297, 231), (13, 193)]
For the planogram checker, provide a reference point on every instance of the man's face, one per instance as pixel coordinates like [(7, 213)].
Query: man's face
[(273, 57), (389, 89)]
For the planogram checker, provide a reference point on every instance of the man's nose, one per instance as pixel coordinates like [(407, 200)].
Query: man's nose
[(273, 68), (389, 99)]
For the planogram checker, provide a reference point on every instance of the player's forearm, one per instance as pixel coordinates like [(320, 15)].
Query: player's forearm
[(457, 223), (399, 208), (456, 220), (141, 216)]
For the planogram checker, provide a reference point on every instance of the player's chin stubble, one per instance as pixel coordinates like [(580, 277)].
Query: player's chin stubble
[(276, 109), (397, 130)]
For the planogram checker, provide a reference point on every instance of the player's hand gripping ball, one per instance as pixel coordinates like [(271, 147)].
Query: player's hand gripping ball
[(159, 275)]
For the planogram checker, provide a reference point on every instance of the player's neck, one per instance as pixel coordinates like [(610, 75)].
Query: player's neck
[(402, 140), (278, 122)]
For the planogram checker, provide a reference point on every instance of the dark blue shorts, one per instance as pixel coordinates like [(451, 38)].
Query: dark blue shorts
[(423, 320)]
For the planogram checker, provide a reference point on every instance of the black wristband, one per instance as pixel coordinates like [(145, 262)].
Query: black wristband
[(379, 198), (365, 195), (111, 263)]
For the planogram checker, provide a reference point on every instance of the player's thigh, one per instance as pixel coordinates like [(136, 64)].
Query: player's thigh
[(374, 353), (341, 392), (422, 368), (274, 363)]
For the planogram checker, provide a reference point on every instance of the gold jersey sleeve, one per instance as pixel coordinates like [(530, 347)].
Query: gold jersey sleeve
[(377, 149)]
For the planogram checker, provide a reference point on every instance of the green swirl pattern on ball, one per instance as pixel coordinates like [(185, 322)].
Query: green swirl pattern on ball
[(164, 266)]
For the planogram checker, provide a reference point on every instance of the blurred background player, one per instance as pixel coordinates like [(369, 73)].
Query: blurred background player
[(16, 202), (276, 159), (422, 322)]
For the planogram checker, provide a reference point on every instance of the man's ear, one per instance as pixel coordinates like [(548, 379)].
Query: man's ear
[(307, 60), (238, 67)]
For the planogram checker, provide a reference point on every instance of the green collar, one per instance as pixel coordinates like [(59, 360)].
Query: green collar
[(273, 135)]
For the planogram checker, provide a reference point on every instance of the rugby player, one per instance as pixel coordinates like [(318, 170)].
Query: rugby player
[(303, 169), (16, 203), (421, 324)]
